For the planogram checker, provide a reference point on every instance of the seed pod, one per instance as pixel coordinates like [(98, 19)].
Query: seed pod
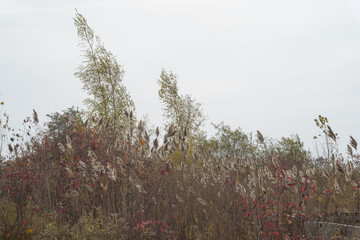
[(140, 126), (353, 143), (172, 133), (349, 150), (147, 136), (339, 168), (155, 143), (157, 131), (331, 134), (170, 130), (35, 116), (260, 137), (10, 148)]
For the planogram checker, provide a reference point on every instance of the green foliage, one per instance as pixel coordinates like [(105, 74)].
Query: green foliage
[(181, 111), (228, 142), (101, 77), (60, 123), (292, 150)]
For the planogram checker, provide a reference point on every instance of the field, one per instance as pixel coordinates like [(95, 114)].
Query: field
[(80, 179)]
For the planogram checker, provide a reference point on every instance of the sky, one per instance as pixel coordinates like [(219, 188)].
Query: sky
[(272, 66)]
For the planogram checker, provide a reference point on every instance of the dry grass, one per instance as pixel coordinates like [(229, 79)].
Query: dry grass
[(90, 184)]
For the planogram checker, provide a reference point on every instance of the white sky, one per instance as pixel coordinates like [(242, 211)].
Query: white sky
[(263, 65)]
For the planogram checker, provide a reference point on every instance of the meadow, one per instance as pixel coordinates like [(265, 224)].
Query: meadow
[(77, 179)]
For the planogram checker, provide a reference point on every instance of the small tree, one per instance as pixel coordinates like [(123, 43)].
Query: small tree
[(182, 111), (228, 142), (62, 124), (293, 151), (101, 77)]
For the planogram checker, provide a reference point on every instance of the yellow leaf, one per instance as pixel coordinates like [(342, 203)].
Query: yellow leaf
[(7, 235), (196, 219)]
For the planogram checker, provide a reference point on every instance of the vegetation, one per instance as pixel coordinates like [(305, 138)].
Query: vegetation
[(101, 76), (182, 112), (4, 127), (101, 175)]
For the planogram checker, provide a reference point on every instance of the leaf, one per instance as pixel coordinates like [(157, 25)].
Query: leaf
[(157, 131), (290, 178), (196, 219), (276, 233)]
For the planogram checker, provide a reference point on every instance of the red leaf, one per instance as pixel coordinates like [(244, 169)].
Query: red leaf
[(290, 178), (276, 233)]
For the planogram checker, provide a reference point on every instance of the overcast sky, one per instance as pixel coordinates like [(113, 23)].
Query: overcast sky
[(268, 65)]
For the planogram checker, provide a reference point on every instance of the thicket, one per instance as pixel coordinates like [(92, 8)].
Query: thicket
[(104, 174)]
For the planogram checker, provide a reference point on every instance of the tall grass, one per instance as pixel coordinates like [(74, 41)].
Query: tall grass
[(87, 183)]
